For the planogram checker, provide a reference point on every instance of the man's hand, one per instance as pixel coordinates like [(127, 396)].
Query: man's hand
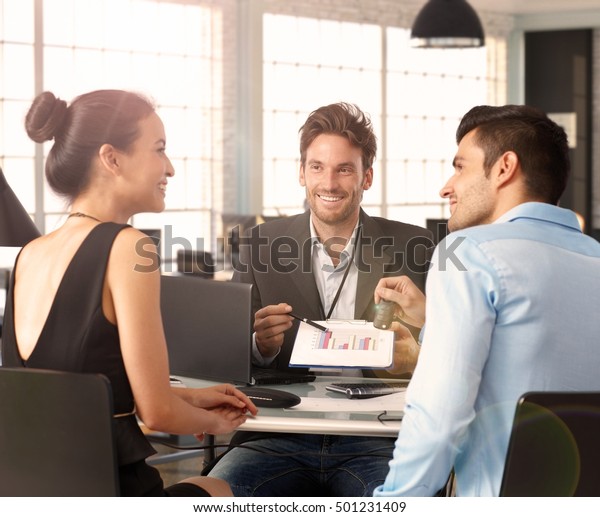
[(410, 300), (406, 350), (270, 323)]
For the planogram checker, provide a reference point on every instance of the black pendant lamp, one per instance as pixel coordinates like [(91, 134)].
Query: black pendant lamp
[(447, 24)]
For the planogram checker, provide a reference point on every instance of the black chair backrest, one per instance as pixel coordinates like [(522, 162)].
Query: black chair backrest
[(56, 434), (554, 448), (196, 262)]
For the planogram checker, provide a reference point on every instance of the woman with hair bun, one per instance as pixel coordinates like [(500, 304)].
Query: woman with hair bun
[(82, 299)]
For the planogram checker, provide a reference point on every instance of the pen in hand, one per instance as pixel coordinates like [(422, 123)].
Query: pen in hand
[(309, 322)]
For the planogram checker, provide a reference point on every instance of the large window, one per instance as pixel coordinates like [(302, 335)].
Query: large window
[(186, 55), (415, 98), (428, 91), (169, 50), (309, 63), (17, 88)]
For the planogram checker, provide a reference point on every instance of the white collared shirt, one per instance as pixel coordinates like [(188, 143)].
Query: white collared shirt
[(329, 277)]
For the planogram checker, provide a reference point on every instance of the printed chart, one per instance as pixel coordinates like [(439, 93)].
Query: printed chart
[(350, 344), (341, 339)]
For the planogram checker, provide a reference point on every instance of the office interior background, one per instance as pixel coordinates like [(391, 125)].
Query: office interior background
[(234, 80)]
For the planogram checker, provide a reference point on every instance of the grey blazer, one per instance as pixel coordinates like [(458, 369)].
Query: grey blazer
[(276, 258)]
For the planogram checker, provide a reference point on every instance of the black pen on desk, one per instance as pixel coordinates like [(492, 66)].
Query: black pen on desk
[(309, 322)]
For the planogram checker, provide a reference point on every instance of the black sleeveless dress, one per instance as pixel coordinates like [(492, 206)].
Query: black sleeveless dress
[(77, 337)]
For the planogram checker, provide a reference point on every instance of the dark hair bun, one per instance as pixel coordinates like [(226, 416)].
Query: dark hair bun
[(45, 118)]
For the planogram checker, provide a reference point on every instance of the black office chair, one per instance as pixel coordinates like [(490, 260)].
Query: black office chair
[(554, 447), (56, 434), (196, 262)]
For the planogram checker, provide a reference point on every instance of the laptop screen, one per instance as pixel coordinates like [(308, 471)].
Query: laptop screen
[(208, 328)]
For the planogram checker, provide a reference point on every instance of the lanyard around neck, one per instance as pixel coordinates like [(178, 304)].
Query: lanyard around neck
[(346, 271)]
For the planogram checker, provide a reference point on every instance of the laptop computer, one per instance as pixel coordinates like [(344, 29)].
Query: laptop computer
[(208, 326)]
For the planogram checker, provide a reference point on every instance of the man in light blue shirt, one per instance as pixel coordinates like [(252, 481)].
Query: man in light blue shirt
[(512, 301)]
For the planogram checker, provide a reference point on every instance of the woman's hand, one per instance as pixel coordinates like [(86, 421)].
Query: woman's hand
[(227, 407), (223, 420), (222, 395)]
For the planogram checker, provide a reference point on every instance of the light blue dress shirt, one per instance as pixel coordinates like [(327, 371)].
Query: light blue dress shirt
[(511, 307)]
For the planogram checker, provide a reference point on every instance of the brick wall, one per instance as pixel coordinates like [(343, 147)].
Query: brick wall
[(225, 194), (397, 13)]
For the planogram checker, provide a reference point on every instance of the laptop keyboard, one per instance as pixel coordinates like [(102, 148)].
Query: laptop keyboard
[(365, 390), (266, 376)]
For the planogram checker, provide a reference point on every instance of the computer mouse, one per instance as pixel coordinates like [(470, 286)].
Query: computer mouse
[(270, 397)]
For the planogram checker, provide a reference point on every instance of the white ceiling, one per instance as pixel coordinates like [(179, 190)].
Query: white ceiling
[(533, 6)]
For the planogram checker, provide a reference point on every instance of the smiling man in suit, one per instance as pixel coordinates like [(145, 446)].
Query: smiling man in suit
[(322, 264)]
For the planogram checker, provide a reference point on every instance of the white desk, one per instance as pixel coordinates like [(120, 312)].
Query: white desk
[(308, 422)]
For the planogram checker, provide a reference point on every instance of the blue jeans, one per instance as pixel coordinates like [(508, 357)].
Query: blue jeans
[(306, 465)]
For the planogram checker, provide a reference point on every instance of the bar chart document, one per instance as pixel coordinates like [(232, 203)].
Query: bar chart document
[(350, 344)]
